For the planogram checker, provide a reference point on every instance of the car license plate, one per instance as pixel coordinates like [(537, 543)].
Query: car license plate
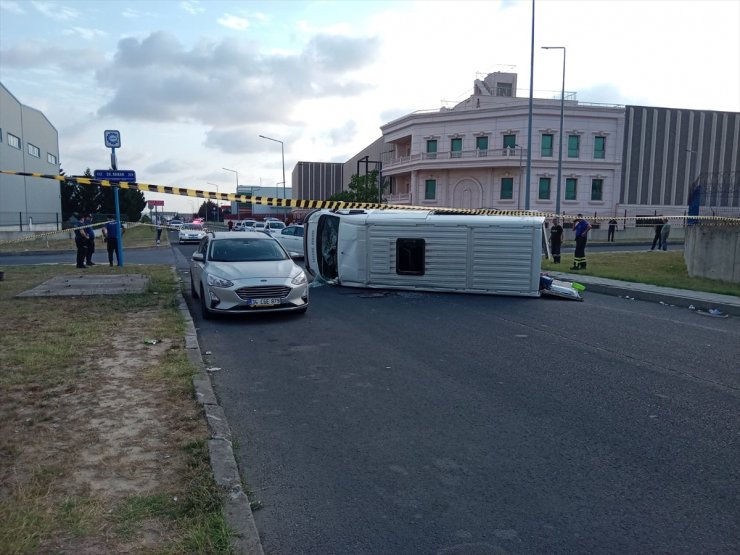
[(263, 302)]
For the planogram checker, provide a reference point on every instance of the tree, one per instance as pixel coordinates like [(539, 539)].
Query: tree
[(360, 189), (208, 210), (95, 199)]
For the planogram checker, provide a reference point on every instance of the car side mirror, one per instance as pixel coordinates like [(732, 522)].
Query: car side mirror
[(198, 257)]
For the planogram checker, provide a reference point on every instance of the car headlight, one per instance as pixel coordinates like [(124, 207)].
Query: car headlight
[(300, 279), (216, 281)]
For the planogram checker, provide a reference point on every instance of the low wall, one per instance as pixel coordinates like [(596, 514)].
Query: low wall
[(713, 252)]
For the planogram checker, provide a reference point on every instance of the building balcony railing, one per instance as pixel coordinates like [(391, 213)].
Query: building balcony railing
[(505, 154), (398, 198)]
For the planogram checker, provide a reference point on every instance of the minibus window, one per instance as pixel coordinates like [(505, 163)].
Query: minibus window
[(410, 257), (326, 237)]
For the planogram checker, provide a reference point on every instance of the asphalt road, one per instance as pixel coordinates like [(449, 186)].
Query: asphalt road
[(459, 424)]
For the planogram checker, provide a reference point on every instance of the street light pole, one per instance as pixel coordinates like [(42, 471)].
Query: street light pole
[(560, 139), (237, 187), (282, 155)]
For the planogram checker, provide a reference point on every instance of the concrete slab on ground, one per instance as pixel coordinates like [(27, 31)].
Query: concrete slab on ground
[(89, 284)]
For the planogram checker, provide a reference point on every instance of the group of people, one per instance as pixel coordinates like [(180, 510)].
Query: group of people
[(662, 230), (85, 239), (581, 227)]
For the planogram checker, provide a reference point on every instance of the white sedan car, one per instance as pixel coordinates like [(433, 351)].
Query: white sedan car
[(291, 238), (246, 272), (191, 233)]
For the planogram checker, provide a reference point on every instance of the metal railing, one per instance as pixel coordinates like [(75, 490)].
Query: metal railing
[(494, 154), (30, 221)]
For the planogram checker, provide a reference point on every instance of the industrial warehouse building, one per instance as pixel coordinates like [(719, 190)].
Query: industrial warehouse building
[(28, 143)]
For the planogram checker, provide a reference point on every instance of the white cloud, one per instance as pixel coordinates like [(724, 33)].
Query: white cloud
[(56, 11), (12, 7), (83, 33), (193, 7), (233, 22)]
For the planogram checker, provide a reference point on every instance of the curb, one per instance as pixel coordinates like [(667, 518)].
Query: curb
[(678, 297), (237, 510)]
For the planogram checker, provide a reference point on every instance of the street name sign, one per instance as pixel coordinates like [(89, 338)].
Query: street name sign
[(116, 175)]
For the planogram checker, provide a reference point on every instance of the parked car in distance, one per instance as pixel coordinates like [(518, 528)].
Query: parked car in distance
[(191, 233), (244, 225), (175, 223), (291, 238), (246, 272)]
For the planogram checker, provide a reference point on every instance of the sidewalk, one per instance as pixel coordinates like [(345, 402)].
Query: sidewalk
[(685, 298)]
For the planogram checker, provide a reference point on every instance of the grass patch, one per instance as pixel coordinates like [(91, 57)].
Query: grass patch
[(86, 416), (654, 267)]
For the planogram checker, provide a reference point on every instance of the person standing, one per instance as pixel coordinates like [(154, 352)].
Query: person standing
[(81, 241), (612, 229), (556, 240), (581, 227), (656, 237), (159, 228), (110, 232), (231, 225), (90, 240), (664, 232)]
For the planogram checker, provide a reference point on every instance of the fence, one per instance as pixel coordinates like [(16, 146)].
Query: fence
[(30, 221), (715, 194)]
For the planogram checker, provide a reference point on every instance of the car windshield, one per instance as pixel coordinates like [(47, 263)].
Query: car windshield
[(196, 227), (246, 250)]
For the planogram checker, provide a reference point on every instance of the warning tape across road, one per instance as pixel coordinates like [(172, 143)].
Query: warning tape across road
[(338, 205)]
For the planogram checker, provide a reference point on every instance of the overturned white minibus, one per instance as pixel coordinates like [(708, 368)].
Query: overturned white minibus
[(426, 250)]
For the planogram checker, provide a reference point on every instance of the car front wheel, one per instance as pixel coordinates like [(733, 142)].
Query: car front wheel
[(204, 310)]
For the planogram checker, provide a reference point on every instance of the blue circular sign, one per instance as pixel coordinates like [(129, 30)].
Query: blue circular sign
[(112, 138)]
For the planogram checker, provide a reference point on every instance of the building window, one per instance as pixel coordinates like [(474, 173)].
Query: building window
[(544, 193), (456, 148), (510, 141), (504, 89), (430, 189), (51, 158), (481, 145), (14, 141), (432, 148), (574, 146), (507, 188), (571, 188), (410, 257), (600, 147), (547, 145), (597, 189), (33, 150)]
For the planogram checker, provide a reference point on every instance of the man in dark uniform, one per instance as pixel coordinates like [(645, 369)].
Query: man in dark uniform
[(612, 229), (81, 242), (90, 240), (110, 232), (556, 240)]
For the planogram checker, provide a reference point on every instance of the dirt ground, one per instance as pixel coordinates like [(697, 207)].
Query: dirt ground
[(77, 460)]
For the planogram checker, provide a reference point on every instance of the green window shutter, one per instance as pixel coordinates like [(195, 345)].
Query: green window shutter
[(432, 145), (481, 143), (455, 148), (507, 188), (509, 141), (430, 189), (571, 185), (546, 146), (544, 193), (600, 147), (574, 146), (597, 189)]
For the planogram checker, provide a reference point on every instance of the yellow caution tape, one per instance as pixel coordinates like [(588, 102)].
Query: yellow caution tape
[(343, 205)]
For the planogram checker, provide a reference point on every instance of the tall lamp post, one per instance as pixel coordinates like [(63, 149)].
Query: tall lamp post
[(560, 138), (282, 155), (237, 187)]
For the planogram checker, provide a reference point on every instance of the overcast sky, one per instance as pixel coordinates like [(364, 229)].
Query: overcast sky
[(192, 84)]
